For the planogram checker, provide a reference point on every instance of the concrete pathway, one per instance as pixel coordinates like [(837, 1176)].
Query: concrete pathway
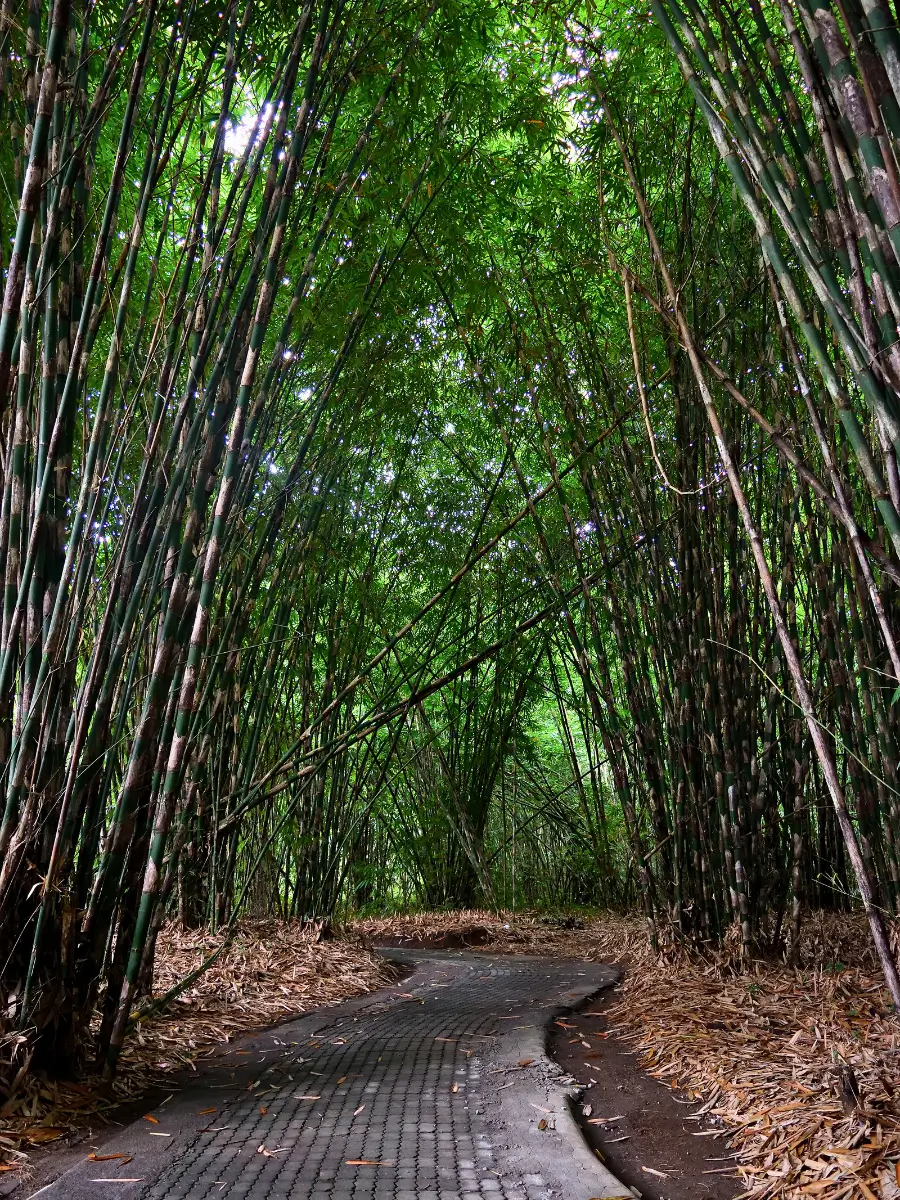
[(436, 1089)]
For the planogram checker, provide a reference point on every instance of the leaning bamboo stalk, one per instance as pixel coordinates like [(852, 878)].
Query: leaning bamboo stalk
[(822, 748), (872, 390), (31, 191)]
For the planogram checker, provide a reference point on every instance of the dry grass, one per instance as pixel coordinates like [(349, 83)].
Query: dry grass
[(273, 970), (762, 1050)]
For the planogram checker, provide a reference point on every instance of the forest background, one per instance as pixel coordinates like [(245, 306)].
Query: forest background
[(448, 458)]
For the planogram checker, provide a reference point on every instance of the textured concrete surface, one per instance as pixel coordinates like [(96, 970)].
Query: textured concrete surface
[(436, 1089)]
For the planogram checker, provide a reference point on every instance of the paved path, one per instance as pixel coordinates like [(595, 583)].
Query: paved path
[(432, 1090)]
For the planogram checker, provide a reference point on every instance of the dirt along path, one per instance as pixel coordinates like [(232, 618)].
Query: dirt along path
[(438, 1088), (652, 1139)]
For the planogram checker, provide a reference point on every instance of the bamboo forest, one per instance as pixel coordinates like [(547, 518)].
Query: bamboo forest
[(449, 464)]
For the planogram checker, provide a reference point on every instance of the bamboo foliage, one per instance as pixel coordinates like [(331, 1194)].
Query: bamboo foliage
[(423, 483), (819, 167), (191, 198)]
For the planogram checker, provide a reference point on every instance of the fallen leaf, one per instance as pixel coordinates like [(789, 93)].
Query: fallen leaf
[(263, 1111), (307, 1097), (359, 1110), (370, 1162), (653, 1171), (153, 1120), (204, 1111), (120, 1179), (455, 1087), (43, 1133), (542, 1124), (126, 1158), (341, 1080), (525, 1062)]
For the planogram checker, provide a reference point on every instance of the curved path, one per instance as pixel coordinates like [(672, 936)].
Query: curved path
[(435, 1089)]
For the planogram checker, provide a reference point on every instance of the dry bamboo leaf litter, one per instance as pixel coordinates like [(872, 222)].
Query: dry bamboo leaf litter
[(762, 1050), (272, 971), (766, 1051)]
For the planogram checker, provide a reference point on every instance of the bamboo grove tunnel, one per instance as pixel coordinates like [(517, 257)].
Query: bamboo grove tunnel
[(448, 459)]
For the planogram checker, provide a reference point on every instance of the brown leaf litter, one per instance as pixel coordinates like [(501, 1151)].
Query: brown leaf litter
[(800, 1064), (273, 971)]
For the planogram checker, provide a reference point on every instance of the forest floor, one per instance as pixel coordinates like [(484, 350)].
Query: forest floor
[(438, 1086), (641, 1129), (799, 1066), (272, 971)]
